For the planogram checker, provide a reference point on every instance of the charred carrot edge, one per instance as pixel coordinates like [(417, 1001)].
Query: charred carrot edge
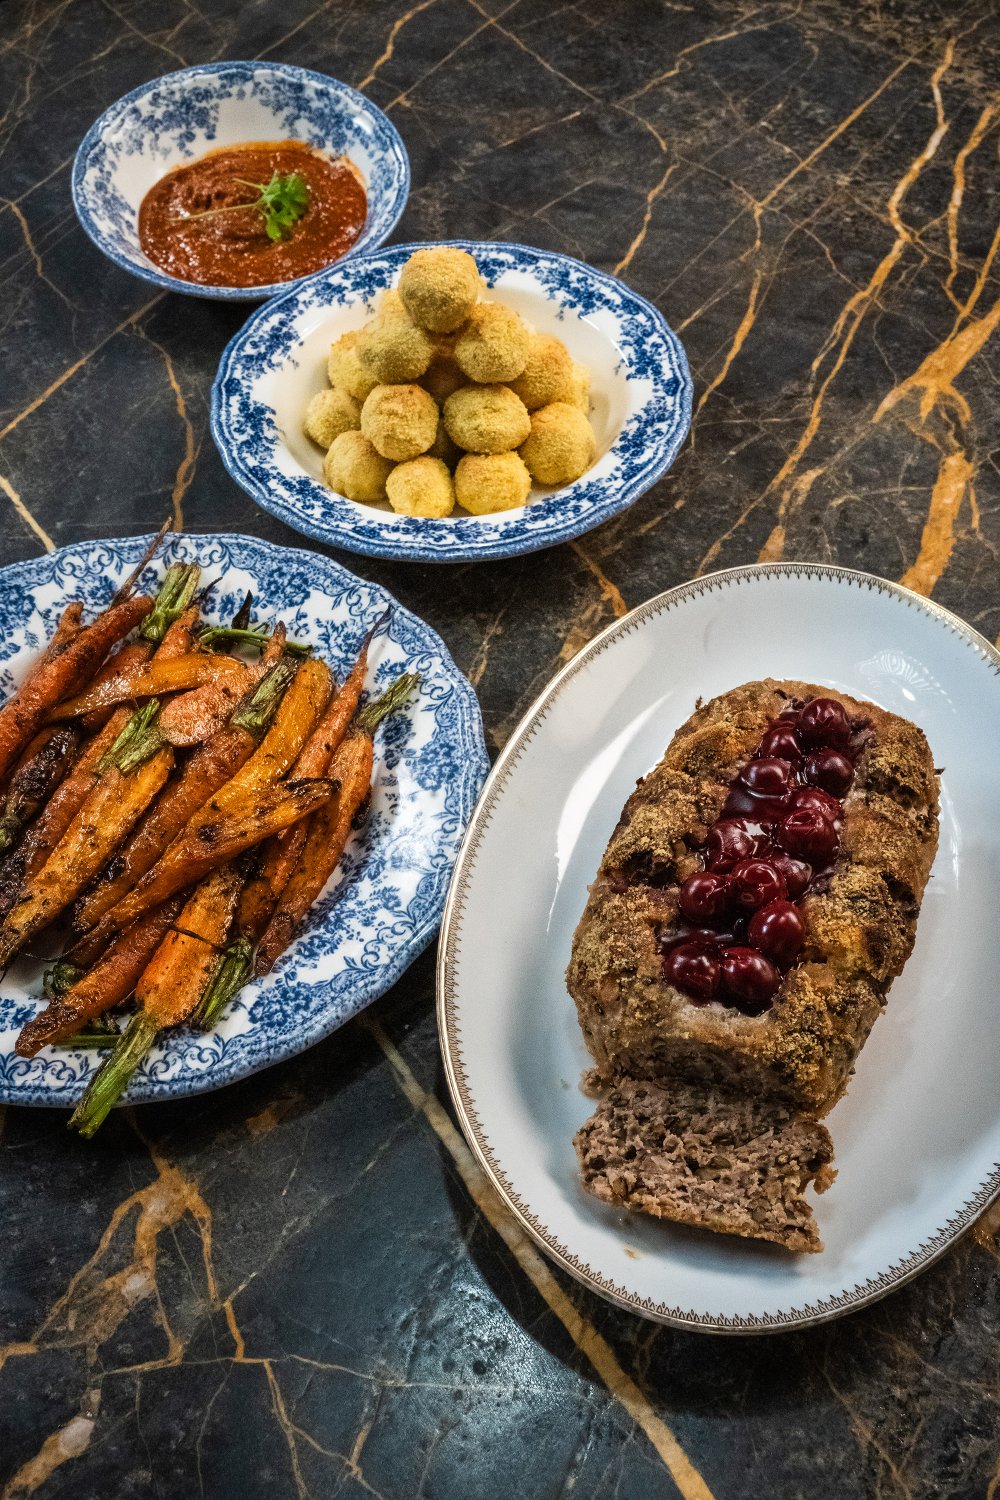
[(168, 990), (211, 765), (58, 676), (192, 718), (331, 827), (169, 675), (34, 781), (103, 987)]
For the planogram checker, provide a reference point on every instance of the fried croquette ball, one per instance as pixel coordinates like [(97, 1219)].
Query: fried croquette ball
[(487, 482), (493, 345), (422, 487), (442, 377), (345, 370), (354, 468), (486, 418), (392, 348), (579, 388), (561, 446), (548, 374), (440, 287), (401, 421), (330, 413)]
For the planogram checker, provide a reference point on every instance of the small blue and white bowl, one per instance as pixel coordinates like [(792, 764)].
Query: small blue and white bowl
[(640, 403), (181, 116)]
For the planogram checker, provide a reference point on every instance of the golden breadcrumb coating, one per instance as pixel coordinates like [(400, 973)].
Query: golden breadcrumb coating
[(330, 413), (440, 287), (488, 482), (400, 420), (493, 345), (354, 469), (344, 368), (421, 487), (561, 446), (486, 418), (392, 348), (547, 375)]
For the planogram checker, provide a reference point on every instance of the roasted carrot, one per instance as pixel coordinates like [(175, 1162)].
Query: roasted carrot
[(131, 657), (106, 985), (293, 723), (168, 990), (280, 855), (214, 841), (209, 767), (67, 627), (193, 717), (171, 675), (56, 676), (330, 829), (34, 780), (130, 779)]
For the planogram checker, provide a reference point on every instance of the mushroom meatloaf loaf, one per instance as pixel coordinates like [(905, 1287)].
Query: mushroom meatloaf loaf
[(857, 911)]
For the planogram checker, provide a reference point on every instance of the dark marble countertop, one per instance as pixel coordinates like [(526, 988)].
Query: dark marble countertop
[(302, 1286)]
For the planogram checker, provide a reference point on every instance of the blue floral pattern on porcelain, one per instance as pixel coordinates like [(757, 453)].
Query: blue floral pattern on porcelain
[(383, 907), (645, 361), (182, 115)]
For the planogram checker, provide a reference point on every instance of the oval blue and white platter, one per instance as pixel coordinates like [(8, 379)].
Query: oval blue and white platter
[(640, 403), (382, 907), (175, 119)]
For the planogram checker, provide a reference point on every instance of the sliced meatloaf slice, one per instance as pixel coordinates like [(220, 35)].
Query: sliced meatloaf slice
[(708, 1158)]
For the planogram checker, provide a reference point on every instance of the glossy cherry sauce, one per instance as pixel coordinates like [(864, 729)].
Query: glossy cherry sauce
[(742, 925)]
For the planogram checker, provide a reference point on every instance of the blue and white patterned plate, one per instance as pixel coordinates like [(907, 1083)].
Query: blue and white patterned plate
[(430, 762), (640, 409), (181, 116)]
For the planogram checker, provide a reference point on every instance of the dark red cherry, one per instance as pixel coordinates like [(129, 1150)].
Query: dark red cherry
[(749, 979), (728, 841), (693, 968), (778, 931), (781, 743), (819, 801), (704, 897), (830, 771), (795, 872), (822, 722), (768, 778), (739, 804), (807, 834), (753, 883)]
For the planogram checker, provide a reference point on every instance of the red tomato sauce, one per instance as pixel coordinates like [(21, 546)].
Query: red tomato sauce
[(233, 248)]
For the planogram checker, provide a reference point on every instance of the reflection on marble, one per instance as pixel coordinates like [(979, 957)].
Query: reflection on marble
[(302, 1286)]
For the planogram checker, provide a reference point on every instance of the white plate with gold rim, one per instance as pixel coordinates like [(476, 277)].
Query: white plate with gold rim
[(917, 1136)]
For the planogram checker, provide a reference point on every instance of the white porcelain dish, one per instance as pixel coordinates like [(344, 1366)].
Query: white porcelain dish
[(917, 1136), (640, 406), (177, 118)]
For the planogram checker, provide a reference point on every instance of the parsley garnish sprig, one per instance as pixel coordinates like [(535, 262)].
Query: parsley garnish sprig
[(282, 202)]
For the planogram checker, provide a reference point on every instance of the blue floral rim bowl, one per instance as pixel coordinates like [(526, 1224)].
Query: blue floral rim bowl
[(181, 116), (640, 403), (382, 908)]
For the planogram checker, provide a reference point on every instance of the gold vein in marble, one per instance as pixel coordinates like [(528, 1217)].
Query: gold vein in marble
[(979, 131), (598, 1351), (186, 467), (390, 45), (70, 1441), (25, 514)]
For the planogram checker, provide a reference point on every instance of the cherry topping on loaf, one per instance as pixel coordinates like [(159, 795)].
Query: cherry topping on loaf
[(779, 827), (750, 979), (704, 897), (755, 882), (830, 771), (822, 724), (693, 968), (806, 833), (781, 743), (778, 931)]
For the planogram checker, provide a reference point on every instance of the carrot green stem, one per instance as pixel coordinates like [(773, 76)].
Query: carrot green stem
[(368, 719), (257, 708), (176, 593), (231, 975), (110, 1081), (138, 740), (225, 635), (61, 977)]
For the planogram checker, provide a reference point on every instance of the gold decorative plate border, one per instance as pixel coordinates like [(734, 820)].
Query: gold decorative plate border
[(811, 1313)]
